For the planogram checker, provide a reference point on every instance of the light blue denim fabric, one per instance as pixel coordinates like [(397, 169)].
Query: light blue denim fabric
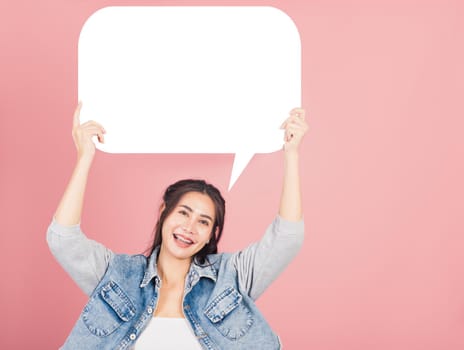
[(218, 297)]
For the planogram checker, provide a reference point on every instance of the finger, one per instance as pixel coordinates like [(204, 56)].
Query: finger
[(295, 114), (77, 112), (101, 138), (299, 121), (92, 131), (284, 124), (298, 112), (93, 123), (295, 118), (287, 136), (87, 133), (296, 123)]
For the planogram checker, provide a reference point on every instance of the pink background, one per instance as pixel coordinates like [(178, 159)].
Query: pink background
[(382, 166)]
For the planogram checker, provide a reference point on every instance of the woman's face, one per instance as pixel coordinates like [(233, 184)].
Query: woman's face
[(187, 229)]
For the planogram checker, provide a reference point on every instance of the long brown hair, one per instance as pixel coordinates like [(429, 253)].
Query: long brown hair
[(171, 198)]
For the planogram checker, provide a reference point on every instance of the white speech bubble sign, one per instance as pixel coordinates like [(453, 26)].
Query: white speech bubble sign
[(184, 79)]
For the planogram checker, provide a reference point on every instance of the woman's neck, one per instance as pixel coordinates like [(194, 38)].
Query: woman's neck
[(171, 270)]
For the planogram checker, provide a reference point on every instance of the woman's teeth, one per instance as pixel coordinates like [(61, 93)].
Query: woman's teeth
[(186, 241)]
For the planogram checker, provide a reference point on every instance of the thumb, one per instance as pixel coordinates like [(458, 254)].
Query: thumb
[(76, 120)]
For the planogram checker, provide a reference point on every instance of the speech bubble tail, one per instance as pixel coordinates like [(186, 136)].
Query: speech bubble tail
[(241, 160)]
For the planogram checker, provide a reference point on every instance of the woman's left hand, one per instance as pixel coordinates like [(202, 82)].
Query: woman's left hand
[(295, 128)]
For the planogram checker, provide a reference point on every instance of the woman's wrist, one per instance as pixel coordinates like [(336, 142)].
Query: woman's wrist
[(291, 154), (84, 160)]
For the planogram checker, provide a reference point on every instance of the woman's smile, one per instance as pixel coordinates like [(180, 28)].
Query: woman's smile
[(182, 240)]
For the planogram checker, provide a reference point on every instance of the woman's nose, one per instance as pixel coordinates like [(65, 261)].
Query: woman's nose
[(188, 225)]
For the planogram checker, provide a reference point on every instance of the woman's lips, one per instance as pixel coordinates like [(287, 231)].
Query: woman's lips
[(182, 240)]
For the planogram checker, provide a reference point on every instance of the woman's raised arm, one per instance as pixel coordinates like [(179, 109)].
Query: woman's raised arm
[(259, 264), (70, 207), (83, 259), (295, 127)]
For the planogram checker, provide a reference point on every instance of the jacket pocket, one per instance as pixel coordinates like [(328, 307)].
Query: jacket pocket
[(229, 314), (107, 310)]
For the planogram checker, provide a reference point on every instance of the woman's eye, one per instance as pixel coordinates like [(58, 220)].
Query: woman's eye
[(204, 222), (183, 212)]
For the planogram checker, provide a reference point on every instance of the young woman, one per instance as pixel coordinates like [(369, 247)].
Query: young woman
[(183, 295)]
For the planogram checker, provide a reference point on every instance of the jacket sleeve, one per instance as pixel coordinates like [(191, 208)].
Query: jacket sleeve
[(259, 264), (85, 260)]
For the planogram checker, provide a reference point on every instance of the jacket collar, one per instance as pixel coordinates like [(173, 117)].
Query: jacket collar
[(151, 271)]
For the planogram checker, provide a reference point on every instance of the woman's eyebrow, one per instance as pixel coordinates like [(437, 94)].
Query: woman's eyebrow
[(191, 210)]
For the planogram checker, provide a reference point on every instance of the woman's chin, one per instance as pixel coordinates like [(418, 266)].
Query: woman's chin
[(181, 252)]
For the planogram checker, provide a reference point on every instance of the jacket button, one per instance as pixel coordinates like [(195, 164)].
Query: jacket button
[(149, 310), (132, 336)]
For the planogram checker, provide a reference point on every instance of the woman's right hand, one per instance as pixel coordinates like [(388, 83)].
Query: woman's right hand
[(83, 133)]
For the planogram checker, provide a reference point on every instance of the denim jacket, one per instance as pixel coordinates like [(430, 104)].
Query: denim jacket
[(218, 297)]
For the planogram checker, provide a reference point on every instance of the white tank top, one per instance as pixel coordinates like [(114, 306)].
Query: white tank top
[(165, 333)]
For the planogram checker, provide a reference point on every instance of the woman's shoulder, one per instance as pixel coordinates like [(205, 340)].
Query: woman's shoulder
[(128, 268), (220, 261), (129, 260)]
